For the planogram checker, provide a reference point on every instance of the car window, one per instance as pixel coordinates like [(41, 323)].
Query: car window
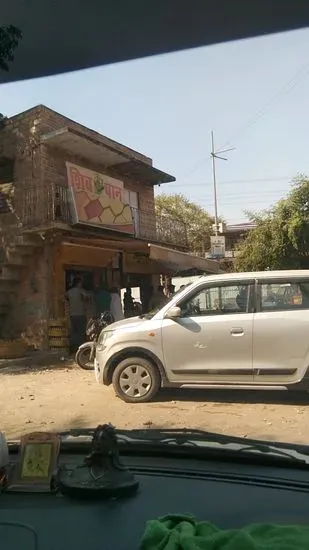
[(281, 296), (217, 300)]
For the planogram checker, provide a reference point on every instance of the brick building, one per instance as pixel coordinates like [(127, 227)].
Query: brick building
[(72, 200)]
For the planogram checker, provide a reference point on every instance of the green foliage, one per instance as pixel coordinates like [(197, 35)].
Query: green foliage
[(281, 237), (9, 39), (197, 220)]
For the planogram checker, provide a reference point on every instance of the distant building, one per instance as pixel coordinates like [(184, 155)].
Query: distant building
[(231, 236), (234, 234)]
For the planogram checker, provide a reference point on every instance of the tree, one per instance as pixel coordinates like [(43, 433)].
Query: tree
[(280, 239), (197, 221), (9, 39)]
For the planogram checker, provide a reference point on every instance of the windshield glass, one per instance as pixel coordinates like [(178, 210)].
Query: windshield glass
[(180, 182)]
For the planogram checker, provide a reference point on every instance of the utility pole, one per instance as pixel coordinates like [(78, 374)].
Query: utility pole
[(215, 155), (213, 158)]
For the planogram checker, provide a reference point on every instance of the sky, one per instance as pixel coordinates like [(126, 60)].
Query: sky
[(253, 94)]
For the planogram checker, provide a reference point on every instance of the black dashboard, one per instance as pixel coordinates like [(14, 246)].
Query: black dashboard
[(230, 495)]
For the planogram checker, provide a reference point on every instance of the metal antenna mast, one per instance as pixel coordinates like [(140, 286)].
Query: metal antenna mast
[(216, 155)]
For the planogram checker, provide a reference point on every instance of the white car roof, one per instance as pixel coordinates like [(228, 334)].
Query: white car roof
[(292, 273)]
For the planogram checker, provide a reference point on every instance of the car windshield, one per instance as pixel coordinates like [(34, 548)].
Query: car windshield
[(173, 183)]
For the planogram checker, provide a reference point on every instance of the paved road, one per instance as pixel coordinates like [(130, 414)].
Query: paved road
[(57, 398)]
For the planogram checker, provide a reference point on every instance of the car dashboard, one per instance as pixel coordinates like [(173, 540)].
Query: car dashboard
[(230, 495)]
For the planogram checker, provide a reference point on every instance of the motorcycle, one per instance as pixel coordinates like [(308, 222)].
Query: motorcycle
[(137, 308), (85, 354)]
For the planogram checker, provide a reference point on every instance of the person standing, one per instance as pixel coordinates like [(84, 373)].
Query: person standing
[(116, 308), (128, 305), (102, 299), (78, 300), (170, 291)]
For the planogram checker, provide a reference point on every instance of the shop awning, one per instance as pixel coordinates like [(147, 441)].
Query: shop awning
[(143, 172), (101, 152), (166, 259), (181, 261)]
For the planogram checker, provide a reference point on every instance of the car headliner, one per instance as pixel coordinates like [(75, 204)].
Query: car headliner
[(66, 35)]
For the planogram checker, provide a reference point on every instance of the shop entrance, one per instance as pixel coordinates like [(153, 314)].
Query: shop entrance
[(143, 283), (91, 277), (95, 265)]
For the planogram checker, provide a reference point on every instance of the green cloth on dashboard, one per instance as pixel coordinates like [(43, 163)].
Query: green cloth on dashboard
[(186, 533)]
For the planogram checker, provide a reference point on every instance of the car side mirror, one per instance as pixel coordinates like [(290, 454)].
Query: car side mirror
[(173, 313)]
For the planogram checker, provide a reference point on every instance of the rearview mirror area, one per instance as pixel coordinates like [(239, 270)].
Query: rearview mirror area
[(173, 313)]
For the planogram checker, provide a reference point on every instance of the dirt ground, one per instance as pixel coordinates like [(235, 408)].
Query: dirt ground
[(58, 398)]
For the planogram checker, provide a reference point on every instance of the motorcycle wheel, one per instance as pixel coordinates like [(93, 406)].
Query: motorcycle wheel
[(82, 358)]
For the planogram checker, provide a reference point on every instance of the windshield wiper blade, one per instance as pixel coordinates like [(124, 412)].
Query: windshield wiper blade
[(206, 440), (150, 433), (174, 438)]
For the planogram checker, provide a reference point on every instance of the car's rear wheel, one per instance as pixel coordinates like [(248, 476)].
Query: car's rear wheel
[(136, 380)]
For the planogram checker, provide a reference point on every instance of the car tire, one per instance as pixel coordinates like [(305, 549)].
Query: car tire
[(136, 380)]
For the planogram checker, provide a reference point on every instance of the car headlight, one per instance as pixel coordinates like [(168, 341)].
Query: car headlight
[(104, 336)]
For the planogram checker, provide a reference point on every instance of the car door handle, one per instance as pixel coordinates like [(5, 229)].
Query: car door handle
[(237, 331)]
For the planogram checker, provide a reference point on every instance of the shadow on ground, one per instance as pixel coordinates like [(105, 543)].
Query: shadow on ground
[(38, 363), (235, 396), (35, 364)]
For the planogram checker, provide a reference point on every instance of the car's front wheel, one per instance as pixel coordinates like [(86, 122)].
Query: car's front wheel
[(136, 380)]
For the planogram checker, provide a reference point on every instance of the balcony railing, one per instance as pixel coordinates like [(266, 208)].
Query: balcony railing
[(43, 206)]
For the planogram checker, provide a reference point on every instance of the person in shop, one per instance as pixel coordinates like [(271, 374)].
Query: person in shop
[(158, 299), (170, 291), (128, 305), (102, 299), (115, 307), (78, 300)]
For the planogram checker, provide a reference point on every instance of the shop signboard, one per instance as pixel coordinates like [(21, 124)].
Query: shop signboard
[(97, 200), (217, 246)]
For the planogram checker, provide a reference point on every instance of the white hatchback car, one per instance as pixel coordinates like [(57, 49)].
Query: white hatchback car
[(239, 330)]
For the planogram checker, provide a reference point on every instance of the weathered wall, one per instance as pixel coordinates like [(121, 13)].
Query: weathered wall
[(27, 307), (14, 143), (31, 305)]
